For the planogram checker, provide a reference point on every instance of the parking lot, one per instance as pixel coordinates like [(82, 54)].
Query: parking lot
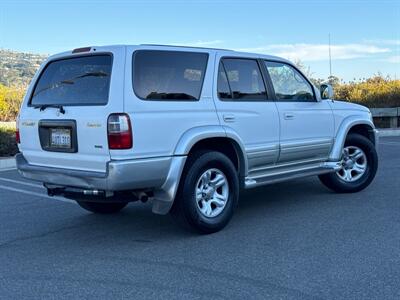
[(290, 240)]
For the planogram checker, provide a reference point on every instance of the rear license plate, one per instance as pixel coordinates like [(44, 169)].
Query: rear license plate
[(60, 138)]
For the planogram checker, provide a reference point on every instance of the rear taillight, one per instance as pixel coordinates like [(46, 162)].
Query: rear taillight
[(17, 136), (119, 131)]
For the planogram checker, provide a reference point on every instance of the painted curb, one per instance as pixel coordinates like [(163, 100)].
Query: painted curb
[(7, 163)]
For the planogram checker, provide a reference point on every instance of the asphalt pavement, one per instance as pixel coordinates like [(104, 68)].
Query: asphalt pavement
[(293, 240)]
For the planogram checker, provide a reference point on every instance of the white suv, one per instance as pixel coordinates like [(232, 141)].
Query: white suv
[(186, 128)]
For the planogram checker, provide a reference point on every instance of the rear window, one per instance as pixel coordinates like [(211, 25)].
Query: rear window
[(81, 80), (168, 75)]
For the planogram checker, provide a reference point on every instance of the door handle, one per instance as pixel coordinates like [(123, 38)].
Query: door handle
[(288, 116), (229, 118)]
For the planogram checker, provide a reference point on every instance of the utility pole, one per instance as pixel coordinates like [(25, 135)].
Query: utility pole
[(330, 56)]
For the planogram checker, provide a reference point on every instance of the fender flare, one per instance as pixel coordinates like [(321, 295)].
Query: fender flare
[(196, 134), (342, 132)]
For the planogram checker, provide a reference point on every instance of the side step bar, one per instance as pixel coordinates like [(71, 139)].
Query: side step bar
[(273, 176)]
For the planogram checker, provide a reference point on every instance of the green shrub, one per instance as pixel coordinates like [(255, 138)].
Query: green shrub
[(8, 145)]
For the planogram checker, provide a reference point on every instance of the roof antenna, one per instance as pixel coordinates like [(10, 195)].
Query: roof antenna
[(330, 81), (330, 56)]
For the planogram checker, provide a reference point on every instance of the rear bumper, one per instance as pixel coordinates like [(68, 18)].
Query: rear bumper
[(120, 175), (159, 174)]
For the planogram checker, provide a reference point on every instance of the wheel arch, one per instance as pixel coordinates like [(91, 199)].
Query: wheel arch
[(219, 138), (352, 124), (191, 140)]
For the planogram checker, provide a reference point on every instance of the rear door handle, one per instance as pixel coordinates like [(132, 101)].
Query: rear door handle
[(288, 116), (229, 118)]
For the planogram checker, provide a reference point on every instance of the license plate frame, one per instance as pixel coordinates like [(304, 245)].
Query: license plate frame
[(45, 127), (60, 138)]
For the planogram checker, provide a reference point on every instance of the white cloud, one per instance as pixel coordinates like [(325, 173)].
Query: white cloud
[(384, 42), (319, 52), (393, 59)]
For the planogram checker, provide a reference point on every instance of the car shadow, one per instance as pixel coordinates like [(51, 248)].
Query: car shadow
[(138, 224)]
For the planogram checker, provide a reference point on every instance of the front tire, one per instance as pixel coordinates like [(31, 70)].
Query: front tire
[(359, 166), (101, 207), (208, 192)]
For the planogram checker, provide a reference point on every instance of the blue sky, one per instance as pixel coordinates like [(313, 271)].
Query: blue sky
[(365, 35)]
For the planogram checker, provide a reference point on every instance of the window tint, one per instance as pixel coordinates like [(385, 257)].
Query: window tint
[(168, 75), (289, 84), (74, 81), (224, 91), (240, 79)]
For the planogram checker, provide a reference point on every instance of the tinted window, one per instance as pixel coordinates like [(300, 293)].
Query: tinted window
[(224, 91), (168, 75), (74, 81), (240, 79), (289, 84)]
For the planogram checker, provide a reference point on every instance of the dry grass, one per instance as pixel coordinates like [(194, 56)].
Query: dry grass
[(373, 92)]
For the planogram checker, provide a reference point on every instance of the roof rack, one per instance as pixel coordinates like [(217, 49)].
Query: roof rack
[(177, 46)]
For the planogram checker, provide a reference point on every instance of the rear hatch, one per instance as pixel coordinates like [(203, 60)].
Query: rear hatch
[(63, 121)]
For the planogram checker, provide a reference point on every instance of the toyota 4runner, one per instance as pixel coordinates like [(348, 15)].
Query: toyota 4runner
[(185, 128)]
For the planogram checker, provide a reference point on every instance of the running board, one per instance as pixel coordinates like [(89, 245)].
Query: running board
[(273, 176)]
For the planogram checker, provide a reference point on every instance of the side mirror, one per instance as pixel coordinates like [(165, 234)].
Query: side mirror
[(326, 91)]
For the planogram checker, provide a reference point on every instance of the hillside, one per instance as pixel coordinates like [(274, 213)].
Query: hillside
[(18, 68)]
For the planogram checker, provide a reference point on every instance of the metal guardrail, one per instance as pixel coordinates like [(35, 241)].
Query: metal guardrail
[(393, 113)]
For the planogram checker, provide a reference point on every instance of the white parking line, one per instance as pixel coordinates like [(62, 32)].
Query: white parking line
[(22, 182), (34, 194), (8, 169)]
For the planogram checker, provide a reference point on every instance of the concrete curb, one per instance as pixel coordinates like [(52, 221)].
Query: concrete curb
[(389, 132), (7, 163)]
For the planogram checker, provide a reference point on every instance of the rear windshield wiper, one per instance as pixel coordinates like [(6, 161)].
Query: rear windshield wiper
[(71, 81), (44, 106), (52, 86), (87, 74)]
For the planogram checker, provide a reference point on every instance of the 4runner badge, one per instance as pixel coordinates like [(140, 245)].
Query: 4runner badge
[(96, 125), (28, 123)]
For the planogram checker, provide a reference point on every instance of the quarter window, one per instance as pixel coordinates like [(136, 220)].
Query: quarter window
[(168, 75), (288, 83), (240, 79)]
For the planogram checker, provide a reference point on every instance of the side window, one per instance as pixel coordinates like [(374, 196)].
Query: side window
[(224, 91), (240, 79), (168, 75), (289, 84)]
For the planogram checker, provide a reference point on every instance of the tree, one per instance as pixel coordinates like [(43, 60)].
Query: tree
[(334, 81)]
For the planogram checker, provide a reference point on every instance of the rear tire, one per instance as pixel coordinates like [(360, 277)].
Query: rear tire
[(208, 192), (360, 163), (101, 207)]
